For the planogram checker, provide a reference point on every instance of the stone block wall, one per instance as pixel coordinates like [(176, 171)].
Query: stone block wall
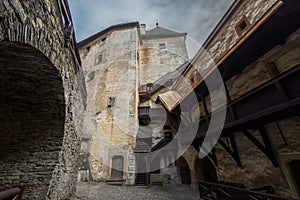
[(49, 152), (257, 169), (155, 62), (283, 57), (225, 38), (111, 117)]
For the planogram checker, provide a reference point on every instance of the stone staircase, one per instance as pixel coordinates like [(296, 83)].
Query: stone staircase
[(141, 179)]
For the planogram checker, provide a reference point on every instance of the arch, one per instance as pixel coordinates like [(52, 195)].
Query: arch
[(205, 170), (184, 171), (32, 115)]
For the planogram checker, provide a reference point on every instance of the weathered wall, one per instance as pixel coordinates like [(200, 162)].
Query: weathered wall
[(257, 169), (47, 144), (254, 10), (112, 129), (225, 39), (190, 155), (32, 118), (155, 62), (283, 56)]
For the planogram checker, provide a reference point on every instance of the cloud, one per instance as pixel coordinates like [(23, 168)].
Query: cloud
[(195, 17)]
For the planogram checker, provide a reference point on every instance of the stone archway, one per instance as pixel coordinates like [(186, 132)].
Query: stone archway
[(205, 170), (184, 171), (32, 115)]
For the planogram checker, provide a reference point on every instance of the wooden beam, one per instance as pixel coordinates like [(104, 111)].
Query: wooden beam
[(272, 69), (266, 150), (281, 133), (233, 152), (268, 145), (204, 105)]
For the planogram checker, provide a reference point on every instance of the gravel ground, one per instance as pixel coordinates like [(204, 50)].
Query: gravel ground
[(103, 191)]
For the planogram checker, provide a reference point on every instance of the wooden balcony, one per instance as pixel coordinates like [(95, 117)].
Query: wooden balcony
[(143, 145), (145, 90), (275, 100), (146, 112)]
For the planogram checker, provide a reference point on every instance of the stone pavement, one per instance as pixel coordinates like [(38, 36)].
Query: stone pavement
[(103, 191)]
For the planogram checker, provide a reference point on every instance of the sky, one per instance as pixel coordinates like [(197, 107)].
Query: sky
[(197, 18)]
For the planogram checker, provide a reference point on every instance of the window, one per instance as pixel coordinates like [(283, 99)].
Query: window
[(242, 26), (194, 77), (294, 166), (91, 76), (103, 40), (98, 59), (168, 135), (290, 164), (111, 102), (162, 46), (87, 50)]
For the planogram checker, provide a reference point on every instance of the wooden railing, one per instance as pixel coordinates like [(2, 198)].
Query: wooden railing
[(145, 89), (70, 42), (147, 112), (13, 193), (254, 108), (235, 191), (68, 27)]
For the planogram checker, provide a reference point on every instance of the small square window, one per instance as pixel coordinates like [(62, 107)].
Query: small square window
[(242, 26), (103, 40), (111, 102), (162, 46), (88, 49), (98, 59)]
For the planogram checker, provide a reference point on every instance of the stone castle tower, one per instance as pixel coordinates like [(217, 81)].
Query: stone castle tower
[(117, 62)]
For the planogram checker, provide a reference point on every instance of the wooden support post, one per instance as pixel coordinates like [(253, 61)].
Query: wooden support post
[(211, 155), (235, 149), (268, 152), (281, 91), (268, 146), (204, 106), (229, 101), (232, 152), (272, 69), (214, 157), (281, 133)]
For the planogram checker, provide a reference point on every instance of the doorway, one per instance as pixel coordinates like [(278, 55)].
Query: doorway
[(184, 171), (205, 170), (117, 168)]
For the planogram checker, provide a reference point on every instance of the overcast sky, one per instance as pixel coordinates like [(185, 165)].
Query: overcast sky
[(197, 18)]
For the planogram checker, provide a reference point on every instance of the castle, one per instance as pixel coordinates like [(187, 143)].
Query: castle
[(117, 62), (157, 116), (129, 103)]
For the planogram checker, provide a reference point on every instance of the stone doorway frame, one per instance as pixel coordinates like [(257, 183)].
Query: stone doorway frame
[(285, 158)]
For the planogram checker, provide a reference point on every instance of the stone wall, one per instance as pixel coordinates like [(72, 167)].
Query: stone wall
[(155, 62), (46, 119), (225, 38), (32, 119), (283, 57), (257, 169), (112, 126), (190, 155)]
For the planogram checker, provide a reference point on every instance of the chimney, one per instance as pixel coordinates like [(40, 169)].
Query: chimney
[(143, 29)]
